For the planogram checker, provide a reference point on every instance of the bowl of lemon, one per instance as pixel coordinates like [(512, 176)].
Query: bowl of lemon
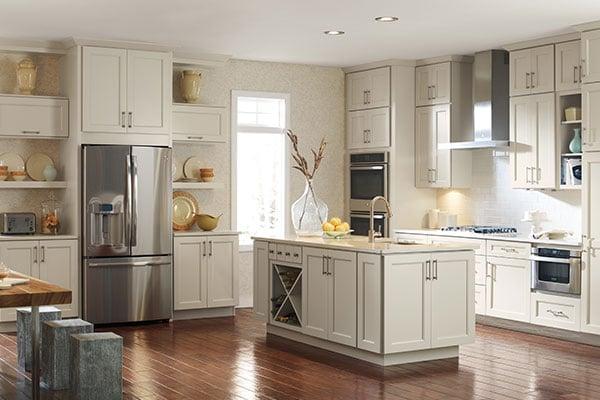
[(336, 228)]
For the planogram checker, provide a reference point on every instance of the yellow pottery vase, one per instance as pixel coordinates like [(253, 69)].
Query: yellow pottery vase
[(189, 84), (26, 76)]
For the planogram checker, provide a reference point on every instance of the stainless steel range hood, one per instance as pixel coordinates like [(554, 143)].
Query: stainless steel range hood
[(490, 104)]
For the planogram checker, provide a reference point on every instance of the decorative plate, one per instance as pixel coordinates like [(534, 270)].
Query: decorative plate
[(13, 161), (176, 169), (191, 168), (185, 208), (35, 166)]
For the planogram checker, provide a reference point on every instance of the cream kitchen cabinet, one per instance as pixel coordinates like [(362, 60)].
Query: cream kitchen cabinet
[(531, 71), (436, 167), (33, 116), (430, 298), (433, 84), (590, 274), (329, 295), (508, 288), (590, 113), (205, 271), (54, 261), (568, 65), (369, 302), (368, 128), (590, 56), (260, 298), (192, 122), (368, 89), (126, 91), (532, 136)]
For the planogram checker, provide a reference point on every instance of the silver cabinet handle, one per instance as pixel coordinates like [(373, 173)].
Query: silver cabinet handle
[(122, 119), (435, 91), (527, 76), (323, 265), (427, 270), (494, 270), (368, 97), (430, 92), (364, 136), (538, 175), (557, 313), (435, 272), (575, 67), (532, 75), (368, 132), (30, 132), (579, 68), (435, 175), (329, 266), (527, 174), (43, 248), (364, 97), (35, 255), (210, 252), (288, 254), (195, 137), (204, 249), (130, 120)]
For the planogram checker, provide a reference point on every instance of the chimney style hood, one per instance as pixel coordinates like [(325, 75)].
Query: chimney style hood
[(490, 104)]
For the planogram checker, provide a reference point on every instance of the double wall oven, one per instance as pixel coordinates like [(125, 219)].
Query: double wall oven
[(369, 176)]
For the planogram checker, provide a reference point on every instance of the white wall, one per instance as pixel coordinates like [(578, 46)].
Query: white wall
[(491, 200)]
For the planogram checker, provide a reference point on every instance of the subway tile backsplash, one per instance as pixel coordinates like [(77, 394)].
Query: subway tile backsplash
[(491, 200)]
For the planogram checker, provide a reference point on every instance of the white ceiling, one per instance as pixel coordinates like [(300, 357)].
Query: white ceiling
[(291, 31)]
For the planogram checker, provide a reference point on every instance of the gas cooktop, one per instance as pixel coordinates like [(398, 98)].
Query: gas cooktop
[(482, 229)]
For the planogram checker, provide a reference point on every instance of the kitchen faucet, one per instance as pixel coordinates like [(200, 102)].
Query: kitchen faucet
[(372, 233)]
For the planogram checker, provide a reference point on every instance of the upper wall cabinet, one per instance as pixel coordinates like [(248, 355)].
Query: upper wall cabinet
[(31, 116), (126, 91), (532, 71), (368, 128), (568, 65), (433, 84), (192, 122), (368, 89), (590, 104), (590, 56)]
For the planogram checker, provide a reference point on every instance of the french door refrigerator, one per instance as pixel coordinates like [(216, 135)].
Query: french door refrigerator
[(127, 239)]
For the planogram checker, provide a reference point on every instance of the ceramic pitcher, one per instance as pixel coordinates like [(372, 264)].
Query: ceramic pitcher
[(26, 76), (189, 83)]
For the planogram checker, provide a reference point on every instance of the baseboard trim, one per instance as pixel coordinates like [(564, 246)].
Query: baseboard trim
[(373, 358), (525, 327), (204, 313)]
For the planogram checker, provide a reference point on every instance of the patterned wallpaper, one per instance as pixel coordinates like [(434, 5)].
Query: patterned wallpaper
[(47, 82)]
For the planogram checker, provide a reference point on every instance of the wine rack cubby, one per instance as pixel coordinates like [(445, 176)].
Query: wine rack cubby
[(286, 295)]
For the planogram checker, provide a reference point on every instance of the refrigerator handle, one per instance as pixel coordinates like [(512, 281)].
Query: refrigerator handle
[(134, 214), (128, 196)]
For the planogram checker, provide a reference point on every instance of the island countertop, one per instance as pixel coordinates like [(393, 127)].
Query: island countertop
[(383, 246)]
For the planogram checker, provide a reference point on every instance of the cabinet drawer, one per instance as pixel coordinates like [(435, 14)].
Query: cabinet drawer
[(295, 254), (498, 248), (480, 243), (555, 311), (198, 123), (480, 299), (34, 117), (288, 253)]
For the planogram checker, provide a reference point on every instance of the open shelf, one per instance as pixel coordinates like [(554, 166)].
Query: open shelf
[(32, 185), (570, 187), (197, 185), (574, 122), (286, 300), (572, 155)]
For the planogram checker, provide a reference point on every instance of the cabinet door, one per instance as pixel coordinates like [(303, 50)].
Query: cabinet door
[(440, 82), (509, 288), (542, 69), (452, 299), (342, 297), (261, 281), (357, 85), (423, 86), (378, 127), (28, 116), (590, 60), (567, 65), (314, 292), (544, 173), (424, 143), (523, 146), (190, 273), (357, 129), (442, 165), (199, 123), (222, 271), (520, 72), (407, 303), (104, 90), (368, 89), (149, 82), (369, 302), (480, 270), (59, 265), (21, 256), (379, 92), (590, 110), (590, 275)]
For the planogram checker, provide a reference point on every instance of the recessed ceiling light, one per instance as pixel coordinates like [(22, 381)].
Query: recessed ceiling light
[(386, 19), (334, 33)]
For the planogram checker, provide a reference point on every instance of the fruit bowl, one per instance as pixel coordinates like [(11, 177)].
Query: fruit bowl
[(337, 234)]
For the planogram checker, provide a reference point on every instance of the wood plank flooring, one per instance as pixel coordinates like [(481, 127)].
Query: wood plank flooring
[(230, 358)]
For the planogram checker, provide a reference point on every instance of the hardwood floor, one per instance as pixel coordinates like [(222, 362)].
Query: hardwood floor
[(229, 358)]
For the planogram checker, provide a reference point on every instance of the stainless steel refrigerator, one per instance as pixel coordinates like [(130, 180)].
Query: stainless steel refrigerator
[(127, 235)]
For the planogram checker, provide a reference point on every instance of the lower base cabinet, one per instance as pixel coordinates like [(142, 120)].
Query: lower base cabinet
[(54, 261), (509, 288), (205, 272)]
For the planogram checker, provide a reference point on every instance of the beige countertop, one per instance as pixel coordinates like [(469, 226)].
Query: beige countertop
[(37, 236), (573, 242), (360, 244), (204, 233)]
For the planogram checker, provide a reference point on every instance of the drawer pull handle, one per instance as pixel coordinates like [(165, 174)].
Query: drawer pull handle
[(30, 132), (558, 314)]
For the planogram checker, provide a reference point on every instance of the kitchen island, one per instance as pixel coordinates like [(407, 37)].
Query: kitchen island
[(381, 302)]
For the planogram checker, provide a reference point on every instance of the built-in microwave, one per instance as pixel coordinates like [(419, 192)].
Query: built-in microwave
[(556, 270), (368, 178)]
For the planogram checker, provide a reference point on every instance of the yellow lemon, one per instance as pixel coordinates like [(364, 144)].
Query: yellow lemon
[(335, 221), (345, 226), (327, 227)]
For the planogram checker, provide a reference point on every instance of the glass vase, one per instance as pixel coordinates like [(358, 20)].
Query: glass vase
[(575, 145), (309, 213)]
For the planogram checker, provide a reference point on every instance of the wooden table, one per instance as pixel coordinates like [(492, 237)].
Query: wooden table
[(34, 294)]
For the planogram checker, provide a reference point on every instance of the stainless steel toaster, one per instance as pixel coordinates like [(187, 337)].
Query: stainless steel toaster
[(17, 223)]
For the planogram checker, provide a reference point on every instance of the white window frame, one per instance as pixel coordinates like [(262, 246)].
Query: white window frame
[(235, 94)]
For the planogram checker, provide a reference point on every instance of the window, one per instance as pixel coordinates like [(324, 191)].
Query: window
[(260, 200)]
